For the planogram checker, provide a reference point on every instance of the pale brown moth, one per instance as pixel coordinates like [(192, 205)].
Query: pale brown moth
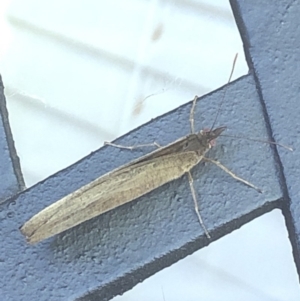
[(127, 183), (120, 186)]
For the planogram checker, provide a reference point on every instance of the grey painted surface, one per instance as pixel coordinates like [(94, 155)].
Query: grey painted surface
[(270, 31), (109, 254), (11, 177)]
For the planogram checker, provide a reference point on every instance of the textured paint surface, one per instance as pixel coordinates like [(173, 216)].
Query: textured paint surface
[(275, 57), (154, 231)]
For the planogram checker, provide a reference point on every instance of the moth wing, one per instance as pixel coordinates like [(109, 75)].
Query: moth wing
[(108, 192)]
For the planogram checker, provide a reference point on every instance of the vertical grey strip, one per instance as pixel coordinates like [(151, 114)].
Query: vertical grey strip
[(270, 30), (11, 176)]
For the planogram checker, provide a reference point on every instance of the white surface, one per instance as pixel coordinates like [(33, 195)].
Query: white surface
[(83, 70), (76, 73)]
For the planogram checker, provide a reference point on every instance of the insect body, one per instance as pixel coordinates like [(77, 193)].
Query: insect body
[(129, 182), (121, 185)]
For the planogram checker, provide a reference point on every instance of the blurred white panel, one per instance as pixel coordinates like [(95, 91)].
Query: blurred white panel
[(113, 65)]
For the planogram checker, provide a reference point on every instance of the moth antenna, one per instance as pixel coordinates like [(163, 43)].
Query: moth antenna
[(260, 140), (223, 97)]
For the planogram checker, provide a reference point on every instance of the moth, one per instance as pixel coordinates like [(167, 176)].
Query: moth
[(127, 183)]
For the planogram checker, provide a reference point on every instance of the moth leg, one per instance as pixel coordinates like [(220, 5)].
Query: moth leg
[(232, 174), (192, 114), (191, 181), (132, 147)]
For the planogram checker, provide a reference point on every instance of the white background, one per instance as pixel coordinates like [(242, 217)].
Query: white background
[(77, 73)]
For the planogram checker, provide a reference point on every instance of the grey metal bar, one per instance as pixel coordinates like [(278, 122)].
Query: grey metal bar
[(270, 32), (11, 176), (109, 254)]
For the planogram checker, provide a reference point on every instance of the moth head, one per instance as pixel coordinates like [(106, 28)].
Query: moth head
[(211, 135)]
